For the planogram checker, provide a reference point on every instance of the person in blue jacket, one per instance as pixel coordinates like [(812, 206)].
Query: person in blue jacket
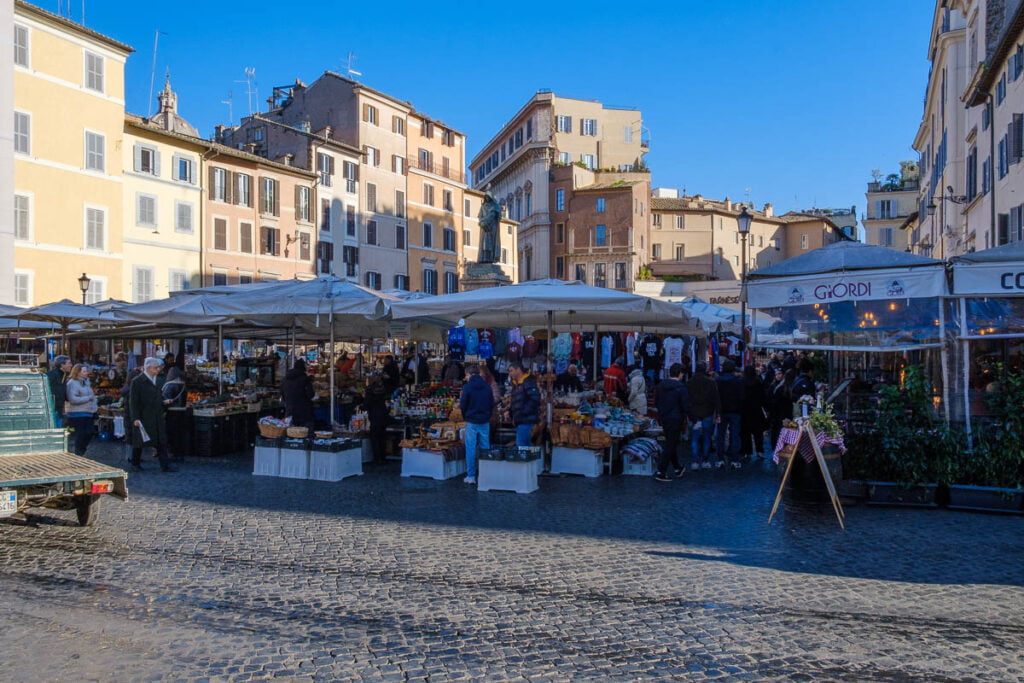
[(477, 405), (673, 403)]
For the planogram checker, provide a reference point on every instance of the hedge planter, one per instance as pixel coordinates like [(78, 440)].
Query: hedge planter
[(889, 493), (986, 499)]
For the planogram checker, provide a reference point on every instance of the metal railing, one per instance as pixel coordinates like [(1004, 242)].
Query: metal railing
[(437, 169)]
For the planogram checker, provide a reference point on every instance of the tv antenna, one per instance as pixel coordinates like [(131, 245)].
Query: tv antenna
[(250, 85), (747, 190), (152, 71), (352, 72), (229, 101)]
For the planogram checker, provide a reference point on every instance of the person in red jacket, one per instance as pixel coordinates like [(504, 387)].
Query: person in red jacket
[(615, 378)]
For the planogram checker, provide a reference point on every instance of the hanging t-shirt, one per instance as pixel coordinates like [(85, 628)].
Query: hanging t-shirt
[(577, 346), (607, 348), (530, 346), (457, 342), (472, 340), (629, 341), (561, 347), (513, 351), (485, 350), (515, 335), (650, 352), (486, 334), (673, 351)]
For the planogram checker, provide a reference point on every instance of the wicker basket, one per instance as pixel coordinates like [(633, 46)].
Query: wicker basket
[(298, 432), (271, 431)]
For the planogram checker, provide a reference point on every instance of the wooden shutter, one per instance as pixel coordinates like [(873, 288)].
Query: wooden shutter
[(211, 180), (298, 208), (277, 197), (229, 187)]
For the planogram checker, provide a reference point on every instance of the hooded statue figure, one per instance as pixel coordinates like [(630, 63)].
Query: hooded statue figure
[(490, 221)]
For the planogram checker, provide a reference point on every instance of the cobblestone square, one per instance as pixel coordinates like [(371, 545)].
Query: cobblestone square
[(214, 574)]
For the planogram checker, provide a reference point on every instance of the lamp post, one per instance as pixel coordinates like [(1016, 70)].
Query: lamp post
[(929, 210), (83, 284), (743, 225)]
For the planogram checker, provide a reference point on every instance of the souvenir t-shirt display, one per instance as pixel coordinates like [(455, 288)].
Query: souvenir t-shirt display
[(457, 343), (673, 351), (485, 350), (472, 340), (513, 351), (577, 346), (650, 352), (629, 341), (607, 348), (530, 346), (561, 347)]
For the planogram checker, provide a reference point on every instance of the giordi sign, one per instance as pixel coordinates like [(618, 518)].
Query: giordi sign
[(865, 285)]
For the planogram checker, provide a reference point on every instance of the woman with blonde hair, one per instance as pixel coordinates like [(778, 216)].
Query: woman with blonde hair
[(80, 407)]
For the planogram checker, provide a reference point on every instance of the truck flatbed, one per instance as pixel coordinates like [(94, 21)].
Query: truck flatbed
[(47, 468)]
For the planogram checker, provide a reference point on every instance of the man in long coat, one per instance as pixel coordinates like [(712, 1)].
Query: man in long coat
[(146, 406)]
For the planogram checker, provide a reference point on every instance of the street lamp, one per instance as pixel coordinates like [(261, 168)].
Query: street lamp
[(743, 225), (83, 284)]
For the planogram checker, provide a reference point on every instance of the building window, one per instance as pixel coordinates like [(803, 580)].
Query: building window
[(147, 160), (370, 114), (680, 252), (372, 155), (20, 45), (600, 278), (244, 278), (620, 276), (655, 252), (627, 134), (428, 235), (581, 272), (446, 200), (736, 261), (371, 232), (95, 229), (94, 72), (588, 126), (680, 222), (219, 186), (184, 169), (600, 236), (465, 238), (504, 255), (564, 158), (430, 281), (302, 194), (559, 200), (183, 217), (351, 176), (398, 125), (304, 251), (986, 175), (143, 281), (1004, 166), (177, 280), (563, 124), (885, 237), (95, 151), (22, 132), (22, 217), (449, 239), (220, 277), (270, 241), (23, 289), (324, 255), (886, 208), (427, 130), (600, 205), (402, 283), (426, 160), (972, 174), (560, 267), (325, 167), (399, 237), (350, 220), (428, 194), (451, 282), (559, 233), (804, 242), (466, 207), (398, 164), (268, 196), (350, 256), (373, 280), (1001, 89), (245, 238), (243, 187), (656, 220), (220, 234), (588, 161), (371, 197), (145, 210), (325, 214)]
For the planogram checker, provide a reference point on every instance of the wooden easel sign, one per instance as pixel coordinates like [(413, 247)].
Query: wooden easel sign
[(807, 433)]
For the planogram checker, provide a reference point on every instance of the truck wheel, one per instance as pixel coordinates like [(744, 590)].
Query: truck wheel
[(88, 509)]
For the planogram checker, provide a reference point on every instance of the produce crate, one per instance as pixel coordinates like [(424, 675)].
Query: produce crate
[(418, 462), (294, 458), (267, 457), (583, 461), (644, 469), (519, 476), (335, 465)]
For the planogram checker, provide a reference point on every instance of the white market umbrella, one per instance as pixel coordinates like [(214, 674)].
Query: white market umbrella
[(65, 313)]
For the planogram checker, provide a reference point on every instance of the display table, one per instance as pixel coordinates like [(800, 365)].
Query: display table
[(519, 476), (589, 463), (266, 459), (325, 465), (419, 462)]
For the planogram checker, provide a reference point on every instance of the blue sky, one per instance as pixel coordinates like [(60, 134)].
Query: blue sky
[(797, 101)]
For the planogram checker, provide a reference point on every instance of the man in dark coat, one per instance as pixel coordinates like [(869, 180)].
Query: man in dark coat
[(146, 406), (524, 404), (58, 377), (673, 403), (297, 393), (704, 409), (375, 403), (731, 395), (477, 405), (392, 373)]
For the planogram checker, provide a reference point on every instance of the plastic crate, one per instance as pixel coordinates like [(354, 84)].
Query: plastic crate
[(583, 461), (418, 462), (294, 461), (519, 476), (266, 459), (335, 465), (645, 468)]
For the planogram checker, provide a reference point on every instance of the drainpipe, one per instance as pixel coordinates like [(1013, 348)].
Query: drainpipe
[(203, 192), (992, 166)]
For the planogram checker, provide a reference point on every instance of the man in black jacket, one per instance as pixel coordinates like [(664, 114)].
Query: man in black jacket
[(704, 409), (297, 392), (673, 403), (146, 406), (477, 405), (58, 377), (524, 403), (730, 394)]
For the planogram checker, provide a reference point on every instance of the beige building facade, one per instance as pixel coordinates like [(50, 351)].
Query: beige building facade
[(68, 136), (891, 207), (546, 132)]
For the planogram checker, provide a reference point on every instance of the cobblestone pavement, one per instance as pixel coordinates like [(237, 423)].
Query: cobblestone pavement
[(212, 573)]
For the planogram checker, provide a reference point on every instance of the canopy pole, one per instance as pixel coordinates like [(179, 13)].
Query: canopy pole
[(966, 373), (597, 344), (944, 358), (220, 359), (547, 364), (330, 371), (291, 349)]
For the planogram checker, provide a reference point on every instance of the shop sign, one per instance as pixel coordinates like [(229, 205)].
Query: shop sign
[(996, 279), (398, 330), (862, 286)]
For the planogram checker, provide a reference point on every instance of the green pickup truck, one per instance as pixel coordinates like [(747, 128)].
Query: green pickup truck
[(36, 470)]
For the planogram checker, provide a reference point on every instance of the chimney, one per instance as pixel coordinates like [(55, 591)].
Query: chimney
[(325, 132), (728, 204), (249, 147), (285, 159), (218, 133), (769, 210)]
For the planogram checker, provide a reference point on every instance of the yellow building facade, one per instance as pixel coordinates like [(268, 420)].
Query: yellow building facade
[(68, 140)]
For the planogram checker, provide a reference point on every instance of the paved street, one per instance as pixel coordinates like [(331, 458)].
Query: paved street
[(212, 573)]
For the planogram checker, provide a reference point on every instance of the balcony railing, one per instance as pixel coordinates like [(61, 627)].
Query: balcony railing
[(437, 169)]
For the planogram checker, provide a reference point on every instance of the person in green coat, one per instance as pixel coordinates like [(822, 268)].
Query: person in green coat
[(146, 406)]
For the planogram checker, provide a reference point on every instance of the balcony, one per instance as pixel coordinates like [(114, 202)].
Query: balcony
[(453, 174)]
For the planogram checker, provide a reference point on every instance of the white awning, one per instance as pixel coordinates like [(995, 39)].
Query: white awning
[(851, 285)]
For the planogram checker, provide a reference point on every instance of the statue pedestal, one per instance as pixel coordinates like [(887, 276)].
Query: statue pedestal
[(482, 275)]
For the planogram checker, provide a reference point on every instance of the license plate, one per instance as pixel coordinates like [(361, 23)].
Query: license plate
[(8, 503)]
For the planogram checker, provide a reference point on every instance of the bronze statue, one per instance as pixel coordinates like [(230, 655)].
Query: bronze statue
[(490, 222)]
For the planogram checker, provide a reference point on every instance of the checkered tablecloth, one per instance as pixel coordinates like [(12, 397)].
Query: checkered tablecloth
[(788, 437)]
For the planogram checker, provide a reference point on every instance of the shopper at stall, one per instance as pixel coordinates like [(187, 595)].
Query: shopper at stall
[(392, 374), (146, 407), (704, 409), (673, 403), (569, 381), (297, 393), (753, 416), (408, 369), (173, 389), (375, 403), (637, 390), (780, 405), (477, 405), (730, 397), (423, 367), (80, 407), (58, 377), (524, 408), (615, 380), (803, 385), (452, 370), (492, 384)]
